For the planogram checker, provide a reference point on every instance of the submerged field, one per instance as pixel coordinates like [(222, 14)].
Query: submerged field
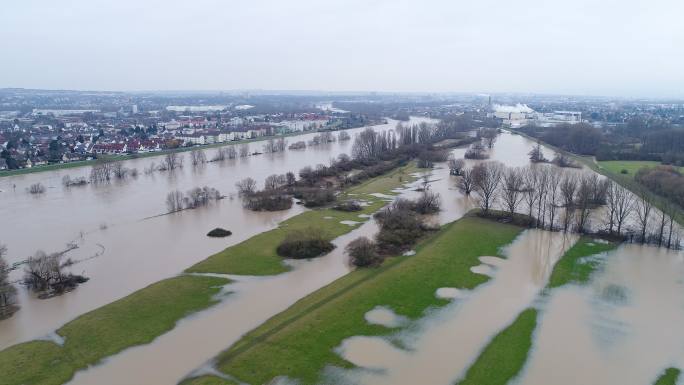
[(152, 311), (299, 342)]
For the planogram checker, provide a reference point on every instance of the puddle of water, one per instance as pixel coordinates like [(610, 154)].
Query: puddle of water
[(350, 223), (447, 341), (381, 315), (449, 293), (624, 328)]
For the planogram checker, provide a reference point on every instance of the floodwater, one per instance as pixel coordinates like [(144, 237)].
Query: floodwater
[(194, 340), (198, 338), (632, 307), (446, 342), (623, 328), (110, 218)]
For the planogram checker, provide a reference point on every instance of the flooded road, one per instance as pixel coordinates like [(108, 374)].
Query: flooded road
[(444, 344), (623, 328), (137, 251)]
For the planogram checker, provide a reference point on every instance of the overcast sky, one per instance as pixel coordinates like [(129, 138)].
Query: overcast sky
[(586, 47)]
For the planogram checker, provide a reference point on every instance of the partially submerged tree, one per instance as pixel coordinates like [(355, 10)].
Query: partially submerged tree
[(487, 178), (8, 292), (513, 186), (246, 186), (456, 166)]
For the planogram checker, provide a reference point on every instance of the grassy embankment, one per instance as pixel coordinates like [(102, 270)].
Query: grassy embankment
[(134, 320), (299, 342), (144, 315), (506, 354), (669, 377)]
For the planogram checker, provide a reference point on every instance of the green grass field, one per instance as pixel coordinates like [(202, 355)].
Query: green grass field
[(299, 342), (575, 267), (505, 355), (257, 255), (134, 320), (632, 166)]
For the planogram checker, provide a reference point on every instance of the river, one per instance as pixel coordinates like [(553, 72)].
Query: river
[(137, 251)]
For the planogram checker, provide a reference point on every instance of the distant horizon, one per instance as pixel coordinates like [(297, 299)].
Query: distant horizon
[(312, 92)]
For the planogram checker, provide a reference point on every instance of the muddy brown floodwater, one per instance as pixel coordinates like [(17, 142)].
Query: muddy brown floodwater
[(137, 251), (196, 339), (444, 343), (624, 328)]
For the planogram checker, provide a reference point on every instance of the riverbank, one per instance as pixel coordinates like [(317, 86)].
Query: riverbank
[(152, 311), (405, 284)]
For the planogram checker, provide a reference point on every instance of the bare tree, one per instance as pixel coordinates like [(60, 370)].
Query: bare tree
[(244, 150), (531, 181), (568, 187), (366, 145), (36, 188), (537, 155), (465, 182), (246, 186), (540, 192), (7, 291), (619, 204), (101, 172), (643, 211), (489, 135), (197, 157), (174, 201), (583, 202), (486, 181), (552, 195), (172, 161), (455, 166), (513, 185), (274, 182)]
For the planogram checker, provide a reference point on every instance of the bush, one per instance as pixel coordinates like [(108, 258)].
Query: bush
[(318, 197), (400, 228), (428, 203), (268, 201), (624, 171), (304, 244), (219, 233), (349, 206), (362, 253)]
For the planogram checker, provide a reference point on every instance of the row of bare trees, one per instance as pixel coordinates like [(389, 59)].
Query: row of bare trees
[(557, 199), (196, 197), (275, 145)]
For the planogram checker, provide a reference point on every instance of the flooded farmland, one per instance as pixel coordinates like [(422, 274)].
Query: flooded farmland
[(634, 302)]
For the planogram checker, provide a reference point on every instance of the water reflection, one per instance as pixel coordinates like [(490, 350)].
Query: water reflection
[(624, 328)]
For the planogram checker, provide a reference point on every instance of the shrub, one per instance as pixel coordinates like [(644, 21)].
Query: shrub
[(362, 253), (268, 201), (219, 233), (624, 171), (304, 244), (348, 206), (428, 203), (399, 228)]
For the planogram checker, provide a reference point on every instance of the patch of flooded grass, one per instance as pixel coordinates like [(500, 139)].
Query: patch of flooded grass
[(300, 342), (505, 355), (576, 266), (669, 377), (133, 320)]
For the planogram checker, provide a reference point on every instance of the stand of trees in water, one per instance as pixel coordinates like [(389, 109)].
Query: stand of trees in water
[(566, 200), (8, 293)]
